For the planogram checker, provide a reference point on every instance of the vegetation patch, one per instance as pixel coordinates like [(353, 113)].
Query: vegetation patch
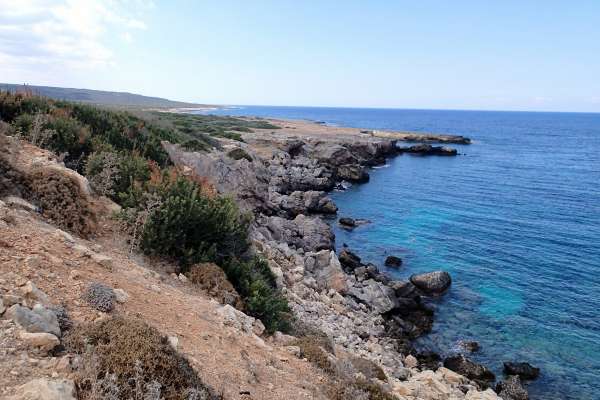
[(128, 359), (211, 278), (239, 154)]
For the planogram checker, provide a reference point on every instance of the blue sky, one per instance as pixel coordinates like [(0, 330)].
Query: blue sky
[(504, 55)]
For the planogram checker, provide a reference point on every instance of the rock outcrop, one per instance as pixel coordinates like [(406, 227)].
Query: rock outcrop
[(428, 150)]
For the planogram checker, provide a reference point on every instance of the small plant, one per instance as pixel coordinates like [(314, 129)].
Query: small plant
[(100, 296)]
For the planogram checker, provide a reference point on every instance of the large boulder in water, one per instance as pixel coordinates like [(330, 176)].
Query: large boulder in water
[(476, 372), (435, 282), (512, 389), (523, 369)]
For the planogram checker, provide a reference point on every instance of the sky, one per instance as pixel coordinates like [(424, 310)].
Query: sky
[(489, 55)]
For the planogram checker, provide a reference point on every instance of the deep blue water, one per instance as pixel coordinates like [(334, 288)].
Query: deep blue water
[(516, 221)]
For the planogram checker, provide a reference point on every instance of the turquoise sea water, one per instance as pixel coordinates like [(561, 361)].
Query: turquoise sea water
[(515, 220)]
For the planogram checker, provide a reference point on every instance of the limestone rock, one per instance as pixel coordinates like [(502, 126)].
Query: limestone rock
[(121, 296), (32, 294), (410, 361), (173, 341), (44, 341), (46, 389), (103, 260), (40, 319), (379, 297)]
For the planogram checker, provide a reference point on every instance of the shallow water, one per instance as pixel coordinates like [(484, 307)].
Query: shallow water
[(515, 220)]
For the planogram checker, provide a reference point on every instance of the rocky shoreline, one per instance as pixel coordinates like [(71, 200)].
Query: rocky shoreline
[(283, 180)]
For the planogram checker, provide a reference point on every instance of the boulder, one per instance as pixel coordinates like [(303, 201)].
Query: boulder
[(522, 369), (432, 283), (34, 295), (476, 372), (44, 341), (393, 261), (40, 319), (46, 389), (511, 388), (328, 271)]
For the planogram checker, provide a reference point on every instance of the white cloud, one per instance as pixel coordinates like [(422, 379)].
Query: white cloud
[(64, 33)]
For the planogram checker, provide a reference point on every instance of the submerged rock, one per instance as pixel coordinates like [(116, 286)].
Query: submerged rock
[(347, 222), (393, 261), (432, 282), (522, 369)]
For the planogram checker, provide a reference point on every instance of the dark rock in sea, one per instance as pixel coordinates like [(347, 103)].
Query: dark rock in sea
[(428, 150), (512, 389), (349, 260), (428, 360), (393, 261), (476, 372), (469, 345), (524, 370), (339, 186), (432, 283), (347, 222)]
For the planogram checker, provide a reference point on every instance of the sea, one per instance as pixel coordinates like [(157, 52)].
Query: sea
[(515, 219)]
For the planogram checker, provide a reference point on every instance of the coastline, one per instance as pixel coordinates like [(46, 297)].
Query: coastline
[(284, 181)]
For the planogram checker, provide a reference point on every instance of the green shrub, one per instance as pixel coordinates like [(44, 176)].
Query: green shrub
[(192, 226), (255, 282)]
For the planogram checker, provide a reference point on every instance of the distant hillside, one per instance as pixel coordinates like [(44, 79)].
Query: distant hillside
[(100, 96)]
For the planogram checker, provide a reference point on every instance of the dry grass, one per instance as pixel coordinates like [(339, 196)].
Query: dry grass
[(211, 278), (127, 356), (62, 202)]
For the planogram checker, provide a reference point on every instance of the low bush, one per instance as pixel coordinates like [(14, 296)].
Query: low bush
[(255, 282), (100, 296), (191, 226), (128, 358), (315, 350), (212, 279), (62, 200)]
